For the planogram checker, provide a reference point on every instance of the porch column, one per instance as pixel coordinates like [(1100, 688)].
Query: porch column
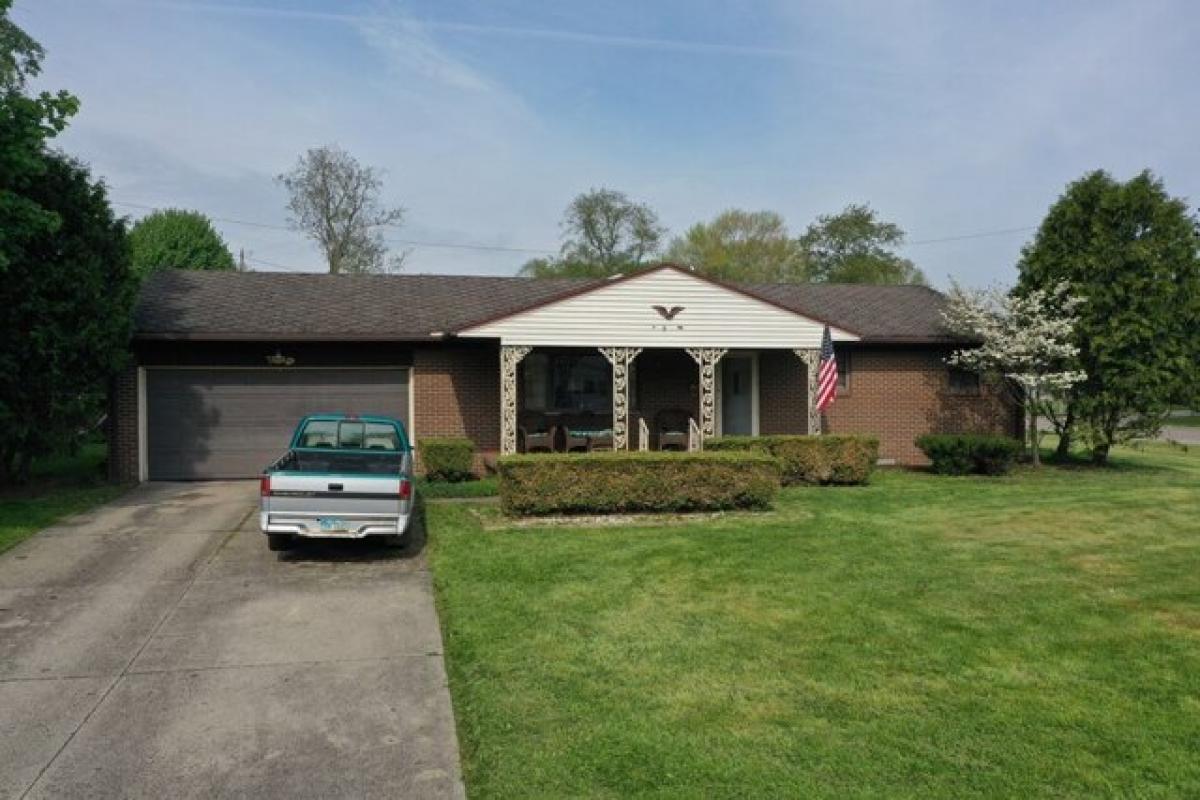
[(812, 363), (620, 358), (510, 356), (707, 358)]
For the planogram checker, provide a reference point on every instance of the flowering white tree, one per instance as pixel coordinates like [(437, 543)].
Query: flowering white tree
[(1024, 341)]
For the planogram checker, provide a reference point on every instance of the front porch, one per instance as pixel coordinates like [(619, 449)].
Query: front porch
[(659, 358), (577, 399)]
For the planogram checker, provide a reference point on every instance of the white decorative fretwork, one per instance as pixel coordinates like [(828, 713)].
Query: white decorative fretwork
[(510, 356), (707, 358), (812, 364), (620, 358)]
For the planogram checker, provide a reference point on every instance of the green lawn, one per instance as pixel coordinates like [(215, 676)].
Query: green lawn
[(1037, 635), (435, 490), (61, 485), (1187, 421)]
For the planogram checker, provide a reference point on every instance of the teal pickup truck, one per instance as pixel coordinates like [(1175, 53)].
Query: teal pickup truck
[(344, 477)]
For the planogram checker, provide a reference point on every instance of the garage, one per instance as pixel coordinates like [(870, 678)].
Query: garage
[(215, 423)]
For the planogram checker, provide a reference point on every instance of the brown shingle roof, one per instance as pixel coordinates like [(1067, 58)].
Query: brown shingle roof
[(291, 306)]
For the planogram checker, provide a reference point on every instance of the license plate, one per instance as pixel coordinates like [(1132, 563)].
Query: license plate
[(332, 525)]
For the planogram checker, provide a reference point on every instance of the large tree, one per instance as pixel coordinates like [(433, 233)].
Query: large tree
[(604, 233), (1133, 253), (855, 246), (27, 122), (743, 246), (335, 201), (67, 300), (174, 238)]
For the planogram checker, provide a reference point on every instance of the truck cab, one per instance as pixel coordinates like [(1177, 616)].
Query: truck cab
[(343, 477)]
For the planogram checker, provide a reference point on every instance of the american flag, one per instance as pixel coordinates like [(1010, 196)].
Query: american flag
[(827, 374)]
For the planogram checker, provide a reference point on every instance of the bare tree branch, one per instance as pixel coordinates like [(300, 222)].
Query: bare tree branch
[(335, 201)]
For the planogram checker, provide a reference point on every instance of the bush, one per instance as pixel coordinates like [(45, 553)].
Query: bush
[(448, 459), (811, 459), (966, 453), (605, 483)]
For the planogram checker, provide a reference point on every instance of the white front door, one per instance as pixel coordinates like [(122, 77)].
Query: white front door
[(739, 399)]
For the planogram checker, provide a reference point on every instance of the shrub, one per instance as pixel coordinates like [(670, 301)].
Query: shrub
[(604, 483), (448, 459), (811, 459), (965, 453)]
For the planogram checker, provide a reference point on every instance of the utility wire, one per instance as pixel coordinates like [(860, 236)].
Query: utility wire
[(979, 235), (410, 242), (544, 251)]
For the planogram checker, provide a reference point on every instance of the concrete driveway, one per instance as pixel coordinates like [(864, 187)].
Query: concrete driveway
[(155, 648)]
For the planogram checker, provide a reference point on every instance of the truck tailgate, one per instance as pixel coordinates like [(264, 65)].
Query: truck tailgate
[(335, 505)]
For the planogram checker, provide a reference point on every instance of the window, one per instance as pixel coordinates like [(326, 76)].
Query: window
[(963, 381), (843, 364), (319, 433), (566, 382), (350, 434)]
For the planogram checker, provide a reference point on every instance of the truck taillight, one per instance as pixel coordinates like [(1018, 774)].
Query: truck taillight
[(405, 488), (264, 486)]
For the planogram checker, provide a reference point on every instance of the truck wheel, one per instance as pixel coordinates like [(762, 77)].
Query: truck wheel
[(396, 540), (277, 542)]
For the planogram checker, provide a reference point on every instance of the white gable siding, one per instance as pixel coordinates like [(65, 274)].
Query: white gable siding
[(622, 315)]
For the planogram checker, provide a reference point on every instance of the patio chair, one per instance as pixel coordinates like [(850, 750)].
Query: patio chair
[(537, 436), (587, 431), (671, 425)]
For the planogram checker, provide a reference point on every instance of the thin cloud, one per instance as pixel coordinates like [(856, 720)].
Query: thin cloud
[(544, 34)]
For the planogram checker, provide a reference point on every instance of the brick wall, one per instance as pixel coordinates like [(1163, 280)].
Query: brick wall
[(898, 394), (782, 393), (122, 427), (456, 392)]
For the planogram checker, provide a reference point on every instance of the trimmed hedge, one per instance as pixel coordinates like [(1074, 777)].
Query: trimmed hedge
[(447, 459), (842, 460), (966, 453), (607, 483)]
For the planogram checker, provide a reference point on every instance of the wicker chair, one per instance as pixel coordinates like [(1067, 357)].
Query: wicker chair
[(537, 436), (574, 439), (671, 424)]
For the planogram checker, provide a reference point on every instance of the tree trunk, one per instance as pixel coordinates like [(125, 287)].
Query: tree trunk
[(24, 467), (1035, 456), (1100, 454), (1064, 436)]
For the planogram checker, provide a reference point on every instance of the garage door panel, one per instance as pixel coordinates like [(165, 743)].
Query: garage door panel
[(230, 423)]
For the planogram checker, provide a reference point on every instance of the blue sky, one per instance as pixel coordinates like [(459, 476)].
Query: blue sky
[(950, 118)]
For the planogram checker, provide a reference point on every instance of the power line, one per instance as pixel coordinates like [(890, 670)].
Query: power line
[(979, 235), (277, 265), (409, 242), (540, 250)]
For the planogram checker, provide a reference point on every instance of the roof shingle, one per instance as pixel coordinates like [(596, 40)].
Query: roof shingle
[(177, 304)]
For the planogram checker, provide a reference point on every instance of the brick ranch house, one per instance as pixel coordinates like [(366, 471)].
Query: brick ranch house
[(225, 363)]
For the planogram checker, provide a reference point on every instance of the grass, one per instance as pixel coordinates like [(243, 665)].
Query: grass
[(1035, 635), (1186, 421), (484, 487), (60, 486)]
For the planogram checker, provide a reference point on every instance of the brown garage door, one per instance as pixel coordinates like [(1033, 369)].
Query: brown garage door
[(230, 423)]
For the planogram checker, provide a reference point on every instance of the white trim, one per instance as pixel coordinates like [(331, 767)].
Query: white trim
[(143, 456), (411, 422), (661, 308), (267, 368), (754, 397)]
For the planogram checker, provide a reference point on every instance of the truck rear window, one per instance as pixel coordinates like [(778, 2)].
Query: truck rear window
[(349, 435)]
